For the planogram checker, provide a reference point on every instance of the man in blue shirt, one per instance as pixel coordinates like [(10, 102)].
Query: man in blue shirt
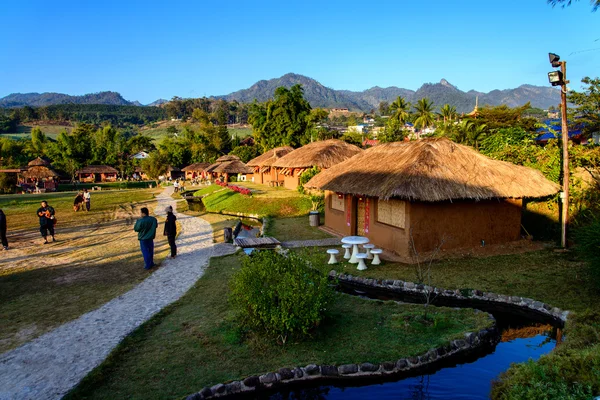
[(146, 229)]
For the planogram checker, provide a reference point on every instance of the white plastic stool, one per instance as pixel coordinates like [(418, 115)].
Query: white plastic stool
[(368, 247), (347, 254), (376, 253), (361, 261), (332, 253)]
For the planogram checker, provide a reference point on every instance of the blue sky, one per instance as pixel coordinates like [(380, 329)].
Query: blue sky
[(157, 49)]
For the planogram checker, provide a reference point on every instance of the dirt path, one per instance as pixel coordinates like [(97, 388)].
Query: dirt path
[(49, 366)]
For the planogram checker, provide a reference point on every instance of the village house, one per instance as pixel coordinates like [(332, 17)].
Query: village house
[(417, 196), (323, 154), (229, 165), (196, 171), (97, 173), (264, 172)]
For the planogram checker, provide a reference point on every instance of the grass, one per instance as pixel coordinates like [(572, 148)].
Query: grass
[(195, 343), (570, 372), (24, 131), (66, 187), (95, 259), (554, 278), (294, 228), (158, 131), (265, 201)]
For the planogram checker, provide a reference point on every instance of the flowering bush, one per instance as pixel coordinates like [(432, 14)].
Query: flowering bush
[(224, 184), (241, 190)]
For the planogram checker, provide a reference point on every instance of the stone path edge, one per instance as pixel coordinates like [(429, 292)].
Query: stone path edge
[(472, 298), (473, 342)]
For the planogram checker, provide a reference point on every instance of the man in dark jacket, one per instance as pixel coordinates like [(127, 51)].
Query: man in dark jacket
[(3, 230), (146, 229), (47, 220), (171, 230)]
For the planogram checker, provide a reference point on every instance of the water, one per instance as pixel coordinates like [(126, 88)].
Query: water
[(466, 381)]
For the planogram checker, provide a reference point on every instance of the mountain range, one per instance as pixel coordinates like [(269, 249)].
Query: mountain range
[(322, 96), (440, 93)]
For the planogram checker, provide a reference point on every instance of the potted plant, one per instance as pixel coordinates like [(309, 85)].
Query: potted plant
[(317, 203)]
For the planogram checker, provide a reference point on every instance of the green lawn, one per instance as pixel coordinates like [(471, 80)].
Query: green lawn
[(554, 278), (194, 342), (24, 131), (67, 187), (96, 258), (265, 201), (294, 228)]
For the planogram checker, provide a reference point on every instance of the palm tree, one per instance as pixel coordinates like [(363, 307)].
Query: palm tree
[(424, 111), (477, 134), (447, 112), (399, 109)]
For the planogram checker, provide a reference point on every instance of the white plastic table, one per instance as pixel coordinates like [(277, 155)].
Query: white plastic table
[(354, 241)]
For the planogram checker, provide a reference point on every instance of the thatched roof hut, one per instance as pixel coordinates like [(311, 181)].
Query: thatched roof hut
[(268, 158), (97, 169), (232, 168), (39, 172), (200, 166), (323, 154), (220, 160), (432, 170), (38, 162), (415, 197)]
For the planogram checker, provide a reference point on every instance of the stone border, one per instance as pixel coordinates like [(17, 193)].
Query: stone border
[(471, 298), (472, 342)]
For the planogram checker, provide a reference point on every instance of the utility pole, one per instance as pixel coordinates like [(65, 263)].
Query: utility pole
[(559, 78), (565, 153)]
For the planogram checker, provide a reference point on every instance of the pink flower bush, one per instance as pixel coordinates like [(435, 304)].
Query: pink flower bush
[(239, 189)]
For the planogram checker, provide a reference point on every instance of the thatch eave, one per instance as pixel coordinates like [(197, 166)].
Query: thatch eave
[(322, 154)]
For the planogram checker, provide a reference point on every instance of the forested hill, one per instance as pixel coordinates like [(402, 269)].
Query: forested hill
[(47, 99), (441, 93)]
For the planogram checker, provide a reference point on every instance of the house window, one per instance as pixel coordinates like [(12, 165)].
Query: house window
[(337, 203), (391, 212)]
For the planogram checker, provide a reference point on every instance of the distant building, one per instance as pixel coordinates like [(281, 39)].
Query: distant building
[(141, 155)]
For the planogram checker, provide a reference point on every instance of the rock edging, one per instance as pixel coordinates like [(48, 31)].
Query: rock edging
[(486, 301), (472, 342)]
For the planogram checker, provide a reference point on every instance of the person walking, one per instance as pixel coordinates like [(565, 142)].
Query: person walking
[(176, 186), (87, 197), (171, 230), (3, 230), (146, 229), (47, 221)]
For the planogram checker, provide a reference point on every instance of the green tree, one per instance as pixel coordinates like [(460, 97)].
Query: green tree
[(399, 110), (281, 121), (155, 165), (246, 153), (384, 108), (72, 151), (424, 113), (448, 112), (37, 145), (587, 104)]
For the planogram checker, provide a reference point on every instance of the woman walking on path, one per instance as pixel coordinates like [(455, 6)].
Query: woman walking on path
[(47, 221), (87, 197), (3, 230), (171, 230)]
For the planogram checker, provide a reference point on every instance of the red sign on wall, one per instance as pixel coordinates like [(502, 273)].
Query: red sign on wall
[(348, 209), (367, 215)]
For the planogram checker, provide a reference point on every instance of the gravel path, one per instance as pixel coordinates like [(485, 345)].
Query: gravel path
[(49, 366)]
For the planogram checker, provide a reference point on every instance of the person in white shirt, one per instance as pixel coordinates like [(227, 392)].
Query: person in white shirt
[(176, 186), (87, 198)]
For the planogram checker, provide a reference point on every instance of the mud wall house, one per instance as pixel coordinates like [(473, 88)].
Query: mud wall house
[(213, 171), (323, 154), (195, 171), (174, 173), (428, 193), (263, 170), (97, 173)]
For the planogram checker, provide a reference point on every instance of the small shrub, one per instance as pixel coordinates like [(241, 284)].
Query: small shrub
[(280, 296), (307, 176), (588, 247)]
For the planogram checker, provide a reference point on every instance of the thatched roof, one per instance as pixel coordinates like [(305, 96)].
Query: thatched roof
[(97, 169), (324, 154), (233, 167), (39, 172), (220, 160), (267, 159), (199, 166), (431, 170), (38, 162)]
